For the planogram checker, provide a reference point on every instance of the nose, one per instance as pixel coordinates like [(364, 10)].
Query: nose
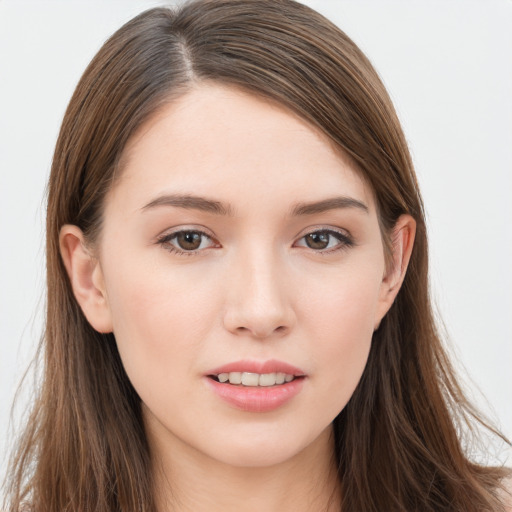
[(258, 300)]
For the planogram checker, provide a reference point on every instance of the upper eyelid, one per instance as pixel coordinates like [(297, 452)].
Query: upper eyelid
[(170, 232), (207, 232), (315, 229)]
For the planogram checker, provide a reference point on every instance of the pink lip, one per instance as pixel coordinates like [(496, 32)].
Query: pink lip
[(270, 366), (257, 399)]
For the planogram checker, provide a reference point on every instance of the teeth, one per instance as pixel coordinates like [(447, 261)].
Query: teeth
[(255, 379), (267, 379), (250, 379), (235, 378)]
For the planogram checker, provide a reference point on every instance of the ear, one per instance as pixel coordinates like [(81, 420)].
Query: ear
[(86, 278), (402, 241)]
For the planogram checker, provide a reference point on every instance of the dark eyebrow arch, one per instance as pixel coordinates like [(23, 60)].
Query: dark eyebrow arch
[(328, 204), (190, 202), (204, 204)]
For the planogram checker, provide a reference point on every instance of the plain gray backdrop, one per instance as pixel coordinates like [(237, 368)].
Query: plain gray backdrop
[(448, 67)]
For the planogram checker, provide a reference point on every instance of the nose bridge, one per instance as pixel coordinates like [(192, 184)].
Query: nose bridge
[(258, 301)]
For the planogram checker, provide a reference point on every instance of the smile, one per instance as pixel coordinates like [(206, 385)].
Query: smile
[(254, 379), (256, 386)]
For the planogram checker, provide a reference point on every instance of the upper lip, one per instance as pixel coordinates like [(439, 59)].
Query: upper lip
[(261, 367)]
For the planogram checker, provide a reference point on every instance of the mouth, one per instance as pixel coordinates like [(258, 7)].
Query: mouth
[(256, 386), (250, 379)]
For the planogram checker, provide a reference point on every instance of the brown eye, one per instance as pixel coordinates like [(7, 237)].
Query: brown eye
[(189, 240), (186, 242), (325, 240), (318, 240)]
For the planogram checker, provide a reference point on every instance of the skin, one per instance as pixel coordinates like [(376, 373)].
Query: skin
[(253, 290)]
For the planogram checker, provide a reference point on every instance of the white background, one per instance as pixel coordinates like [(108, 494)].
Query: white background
[(448, 67)]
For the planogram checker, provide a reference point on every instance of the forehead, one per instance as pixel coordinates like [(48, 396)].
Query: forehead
[(224, 140)]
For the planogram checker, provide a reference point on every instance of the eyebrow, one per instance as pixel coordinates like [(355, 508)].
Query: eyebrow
[(325, 205), (204, 204), (190, 202)]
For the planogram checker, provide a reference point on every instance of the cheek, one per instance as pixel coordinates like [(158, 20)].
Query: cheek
[(342, 303), (341, 322), (160, 319)]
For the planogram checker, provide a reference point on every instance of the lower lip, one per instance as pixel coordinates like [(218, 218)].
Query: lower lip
[(257, 399)]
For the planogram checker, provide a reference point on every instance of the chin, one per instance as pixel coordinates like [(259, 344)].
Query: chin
[(275, 448), (257, 456)]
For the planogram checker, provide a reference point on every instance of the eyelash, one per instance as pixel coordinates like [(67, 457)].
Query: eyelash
[(165, 242), (345, 241)]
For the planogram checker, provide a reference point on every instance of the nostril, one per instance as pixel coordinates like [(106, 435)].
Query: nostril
[(259, 323)]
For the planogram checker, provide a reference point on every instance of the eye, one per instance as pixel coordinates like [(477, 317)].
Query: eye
[(186, 241), (325, 240)]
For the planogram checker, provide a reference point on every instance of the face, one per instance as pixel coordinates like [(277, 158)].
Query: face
[(238, 250)]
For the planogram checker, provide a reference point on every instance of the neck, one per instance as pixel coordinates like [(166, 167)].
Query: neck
[(188, 481)]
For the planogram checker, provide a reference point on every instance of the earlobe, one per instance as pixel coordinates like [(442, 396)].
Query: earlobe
[(402, 242), (86, 278)]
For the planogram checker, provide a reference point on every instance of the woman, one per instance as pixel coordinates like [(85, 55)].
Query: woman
[(238, 312)]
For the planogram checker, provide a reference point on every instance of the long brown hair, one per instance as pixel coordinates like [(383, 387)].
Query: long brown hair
[(397, 441)]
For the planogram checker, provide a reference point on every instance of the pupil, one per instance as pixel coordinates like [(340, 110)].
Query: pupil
[(189, 240), (317, 240)]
